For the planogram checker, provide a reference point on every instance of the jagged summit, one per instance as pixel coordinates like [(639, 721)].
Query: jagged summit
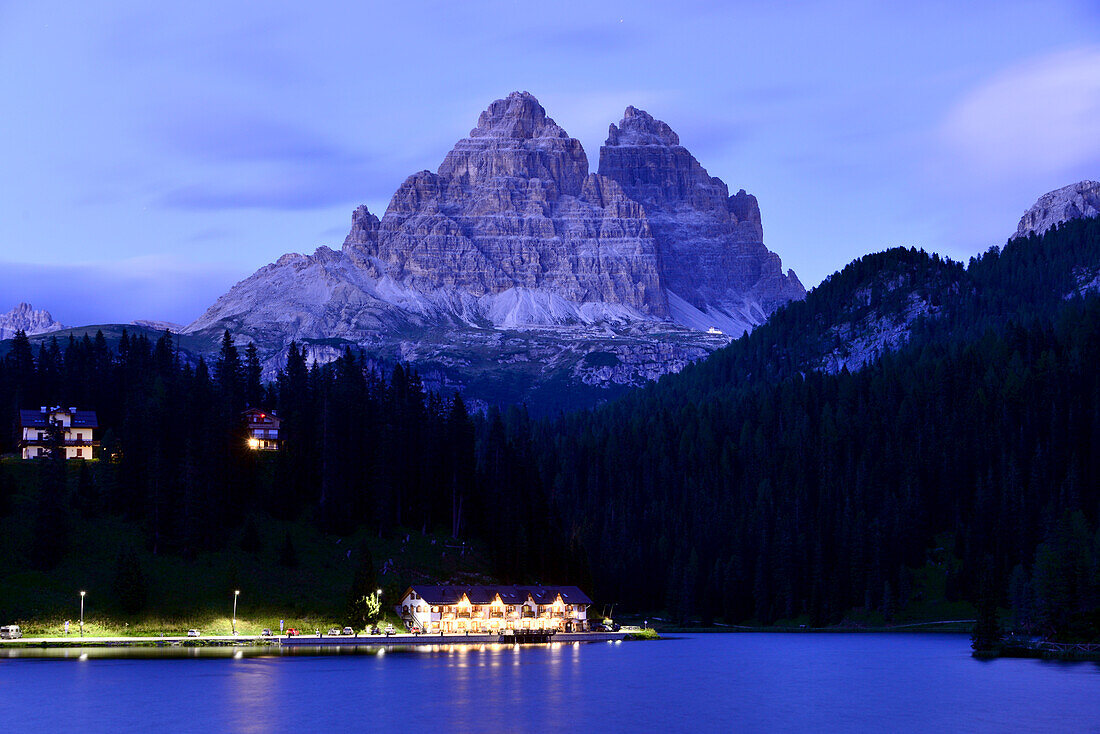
[(515, 139), (1075, 201), (520, 116), (25, 318), (638, 127)]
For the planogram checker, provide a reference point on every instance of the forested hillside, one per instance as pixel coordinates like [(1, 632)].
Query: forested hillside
[(364, 452), (752, 488)]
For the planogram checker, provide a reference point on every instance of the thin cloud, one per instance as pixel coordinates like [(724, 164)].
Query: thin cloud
[(229, 137), (1040, 119)]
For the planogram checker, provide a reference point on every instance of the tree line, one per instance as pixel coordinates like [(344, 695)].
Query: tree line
[(361, 449)]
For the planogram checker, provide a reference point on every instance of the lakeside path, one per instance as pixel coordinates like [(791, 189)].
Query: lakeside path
[(294, 641)]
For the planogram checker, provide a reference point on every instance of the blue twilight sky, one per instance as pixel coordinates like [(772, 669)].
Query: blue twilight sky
[(154, 153)]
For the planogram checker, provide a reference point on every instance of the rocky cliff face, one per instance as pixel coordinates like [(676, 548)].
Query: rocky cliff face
[(514, 207), (24, 318), (711, 244), (1075, 201), (513, 232)]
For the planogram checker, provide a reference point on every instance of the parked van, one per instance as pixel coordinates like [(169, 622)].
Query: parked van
[(10, 632)]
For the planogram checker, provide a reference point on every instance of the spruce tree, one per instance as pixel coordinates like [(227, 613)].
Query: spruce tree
[(129, 586), (51, 521), (288, 556), (364, 583)]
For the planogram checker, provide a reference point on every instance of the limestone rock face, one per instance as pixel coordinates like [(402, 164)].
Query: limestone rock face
[(1075, 201), (513, 232), (24, 317), (711, 244), (513, 206)]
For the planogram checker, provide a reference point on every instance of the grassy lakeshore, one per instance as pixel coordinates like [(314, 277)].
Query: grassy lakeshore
[(207, 624), (307, 587)]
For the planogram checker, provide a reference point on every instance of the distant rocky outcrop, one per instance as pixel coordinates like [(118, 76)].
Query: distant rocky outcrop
[(513, 232), (159, 325), (24, 318), (1075, 201)]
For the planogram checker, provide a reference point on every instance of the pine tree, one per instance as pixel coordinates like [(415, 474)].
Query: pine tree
[(253, 377), (986, 635), (365, 581), (51, 521), (250, 537), (288, 556), (129, 587)]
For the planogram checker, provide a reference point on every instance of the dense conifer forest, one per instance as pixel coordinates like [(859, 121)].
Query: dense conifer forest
[(362, 452), (750, 487)]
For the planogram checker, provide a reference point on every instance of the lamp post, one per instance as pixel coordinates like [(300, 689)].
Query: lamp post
[(235, 595), (82, 614)]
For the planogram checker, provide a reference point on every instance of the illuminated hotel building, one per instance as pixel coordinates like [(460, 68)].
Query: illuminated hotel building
[(489, 609)]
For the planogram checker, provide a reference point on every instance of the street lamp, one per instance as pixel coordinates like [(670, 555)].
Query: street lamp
[(82, 614), (235, 595)]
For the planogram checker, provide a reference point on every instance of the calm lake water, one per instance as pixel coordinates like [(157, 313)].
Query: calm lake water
[(698, 683)]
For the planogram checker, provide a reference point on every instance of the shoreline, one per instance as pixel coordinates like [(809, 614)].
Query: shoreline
[(404, 640), (1055, 651)]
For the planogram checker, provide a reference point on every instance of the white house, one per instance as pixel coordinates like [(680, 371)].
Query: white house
[(494, 608), (77, 427)]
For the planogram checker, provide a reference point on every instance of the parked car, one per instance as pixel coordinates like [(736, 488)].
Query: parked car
[(292, 632), (333, 632), (10, 632), (192, 633), (266, 633), (389, 629), (374, 630), (348, 631)]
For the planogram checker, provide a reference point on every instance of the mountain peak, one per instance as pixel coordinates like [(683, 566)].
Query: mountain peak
[(638, 127), (24, 318), (515, 139), (518, 116), (1075, 201)]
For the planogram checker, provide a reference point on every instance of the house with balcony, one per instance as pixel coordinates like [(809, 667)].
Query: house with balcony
[(493, 609), (263, 430), (77, 431)]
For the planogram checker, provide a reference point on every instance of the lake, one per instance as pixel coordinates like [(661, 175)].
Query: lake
[(700, 683)]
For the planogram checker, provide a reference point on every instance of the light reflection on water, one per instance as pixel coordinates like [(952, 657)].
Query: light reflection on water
[(702, 683)]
